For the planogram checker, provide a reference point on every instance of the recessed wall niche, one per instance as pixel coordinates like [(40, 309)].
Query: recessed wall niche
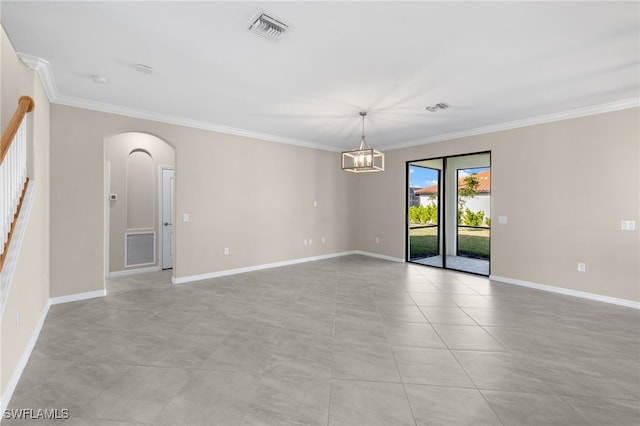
[(140, 190)]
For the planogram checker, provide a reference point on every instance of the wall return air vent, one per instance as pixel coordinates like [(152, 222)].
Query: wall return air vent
[(268, 27)]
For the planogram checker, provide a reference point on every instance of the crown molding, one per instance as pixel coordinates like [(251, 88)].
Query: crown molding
[(43, 69), (548, 118), (180, 121), (46, 76)]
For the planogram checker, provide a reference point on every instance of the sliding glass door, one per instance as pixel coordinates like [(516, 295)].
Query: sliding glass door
[(449, 212)]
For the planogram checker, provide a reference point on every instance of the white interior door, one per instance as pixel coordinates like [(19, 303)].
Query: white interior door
[(167, 218)]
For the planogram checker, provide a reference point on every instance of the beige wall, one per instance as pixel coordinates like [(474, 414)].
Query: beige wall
[(564, 186), (252, 196), (138, 209), (29, 292), (9, 76)]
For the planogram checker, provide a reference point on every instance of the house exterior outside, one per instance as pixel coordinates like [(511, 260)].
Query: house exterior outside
[(480, 202)]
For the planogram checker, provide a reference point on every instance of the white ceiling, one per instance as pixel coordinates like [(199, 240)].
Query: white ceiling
[(498, 64)]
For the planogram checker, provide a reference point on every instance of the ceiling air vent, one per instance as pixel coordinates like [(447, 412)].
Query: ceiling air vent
[(436, 107), (268, 27)]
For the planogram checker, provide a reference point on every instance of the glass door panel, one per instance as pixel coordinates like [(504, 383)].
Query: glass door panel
[(469, 249), (474, 215), (423, 224)]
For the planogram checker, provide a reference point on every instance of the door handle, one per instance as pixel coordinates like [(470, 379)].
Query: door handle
[(167, 224)]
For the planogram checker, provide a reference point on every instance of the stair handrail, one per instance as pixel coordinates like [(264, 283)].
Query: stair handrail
[(25, 105), (13, 173)]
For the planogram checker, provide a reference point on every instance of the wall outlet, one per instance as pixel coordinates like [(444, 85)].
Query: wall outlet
[(185, 217), (315, 204), (226, 251), (323, 240), (628, 225), (582, 267), (310, 241), (377, 240), (503, 219), (306, 242)]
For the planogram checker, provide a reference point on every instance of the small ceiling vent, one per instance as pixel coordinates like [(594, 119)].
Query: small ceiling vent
[(268, 27), (146, 69), (436, 107)]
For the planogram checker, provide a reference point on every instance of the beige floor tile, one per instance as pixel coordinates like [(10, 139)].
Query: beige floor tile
[(350, 340)]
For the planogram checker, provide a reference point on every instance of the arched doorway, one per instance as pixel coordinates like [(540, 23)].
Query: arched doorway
[(139, 171)]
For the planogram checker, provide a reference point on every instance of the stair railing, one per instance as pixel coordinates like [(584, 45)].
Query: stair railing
[(13, 173)]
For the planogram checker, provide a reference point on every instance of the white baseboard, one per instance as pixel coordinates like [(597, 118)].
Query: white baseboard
[(77, 296), (227, 272), (380, 256), (22, 362), (568, 292), (200, 277), (133, 272)]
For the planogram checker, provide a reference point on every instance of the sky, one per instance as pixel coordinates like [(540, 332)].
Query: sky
[(422, 177)]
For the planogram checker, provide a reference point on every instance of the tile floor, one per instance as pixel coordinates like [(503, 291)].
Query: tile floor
[(346, 341)]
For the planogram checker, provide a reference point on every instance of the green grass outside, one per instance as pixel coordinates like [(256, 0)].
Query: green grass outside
[(423, 242), (472, 242)]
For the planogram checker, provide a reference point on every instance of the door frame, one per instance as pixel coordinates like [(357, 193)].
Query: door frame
[(441, 246), (107, 218), (161, 239)]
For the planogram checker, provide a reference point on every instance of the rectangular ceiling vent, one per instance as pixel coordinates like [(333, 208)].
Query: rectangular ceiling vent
[(268, 27)]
